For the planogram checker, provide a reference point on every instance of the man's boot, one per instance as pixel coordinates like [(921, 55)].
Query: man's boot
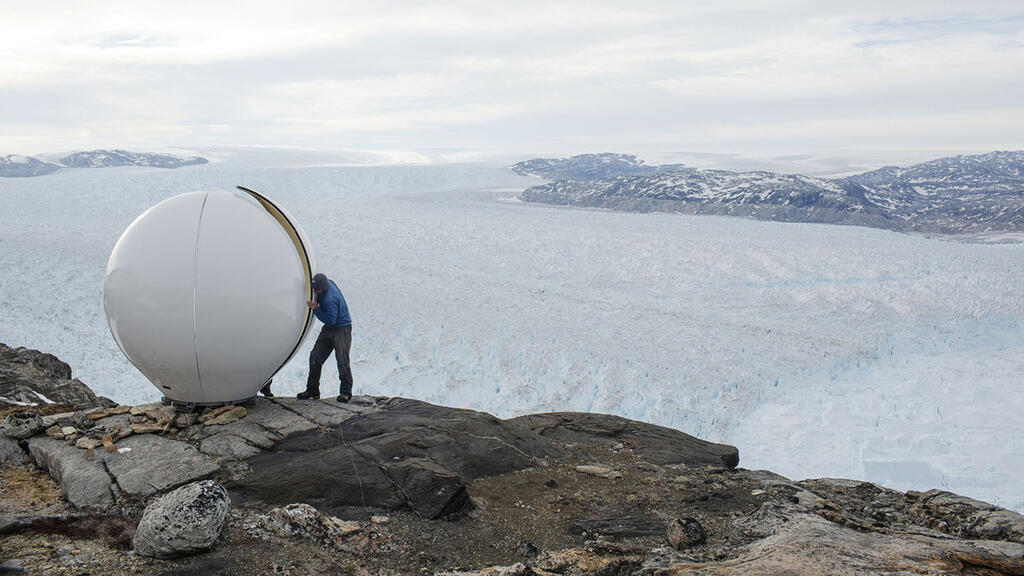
[(308, 395)]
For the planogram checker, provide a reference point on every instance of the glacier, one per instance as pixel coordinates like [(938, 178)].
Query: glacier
[(818, 350)]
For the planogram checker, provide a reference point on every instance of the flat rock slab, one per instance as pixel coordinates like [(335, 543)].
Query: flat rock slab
[(110, 423), (237, 443), (85, 483), (265, 423), (274, 418), (147, 464), (328, 413), (655, 444), (252, 433)]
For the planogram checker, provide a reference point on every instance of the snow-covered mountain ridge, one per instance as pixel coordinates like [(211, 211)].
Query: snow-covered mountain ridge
[(17, 166), (960, 194), (111, 158)]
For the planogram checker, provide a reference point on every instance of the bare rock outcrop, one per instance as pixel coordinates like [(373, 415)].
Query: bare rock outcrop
[(403, 454), (560, 493), (655, 444), (809, 545), (31, 377), (966, 517)]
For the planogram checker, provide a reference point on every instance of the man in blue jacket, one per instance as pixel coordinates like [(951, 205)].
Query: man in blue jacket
[(336, 335)]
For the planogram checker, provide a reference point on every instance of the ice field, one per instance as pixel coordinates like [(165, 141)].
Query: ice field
[(817, 350)]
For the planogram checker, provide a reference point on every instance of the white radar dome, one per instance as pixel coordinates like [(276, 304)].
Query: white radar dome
[(206, 294)]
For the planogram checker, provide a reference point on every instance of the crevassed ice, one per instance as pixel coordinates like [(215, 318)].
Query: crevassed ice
[(818, 350)]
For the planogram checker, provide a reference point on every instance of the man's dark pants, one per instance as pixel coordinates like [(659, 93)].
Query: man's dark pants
[(339, 340)]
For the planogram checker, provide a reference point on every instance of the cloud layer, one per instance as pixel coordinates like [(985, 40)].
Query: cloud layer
[(507, 77)]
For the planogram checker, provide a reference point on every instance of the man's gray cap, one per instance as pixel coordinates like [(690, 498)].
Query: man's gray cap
[(319, 282)]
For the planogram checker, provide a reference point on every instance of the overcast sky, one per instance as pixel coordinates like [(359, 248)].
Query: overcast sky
[(752, 76)]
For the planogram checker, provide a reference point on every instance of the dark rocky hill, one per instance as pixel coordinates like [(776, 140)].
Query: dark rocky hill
[(963, 194), (957, 194), (391, 486), (15, 166), (112, 158), (761, 195)]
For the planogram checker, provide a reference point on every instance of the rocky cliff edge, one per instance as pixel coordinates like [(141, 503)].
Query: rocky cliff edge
[(399, 486)]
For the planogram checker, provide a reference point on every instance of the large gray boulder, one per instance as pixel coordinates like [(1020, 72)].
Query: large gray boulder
[(184, 521), (655, 444)]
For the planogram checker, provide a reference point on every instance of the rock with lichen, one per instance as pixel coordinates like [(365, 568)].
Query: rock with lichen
[(184, 521)]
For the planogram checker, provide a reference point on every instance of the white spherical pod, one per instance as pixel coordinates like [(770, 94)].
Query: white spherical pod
[(206, 294)]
